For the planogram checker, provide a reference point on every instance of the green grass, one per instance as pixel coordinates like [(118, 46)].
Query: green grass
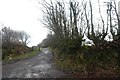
[(21, 57)]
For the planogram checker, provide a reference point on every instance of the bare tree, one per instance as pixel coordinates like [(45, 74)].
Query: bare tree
[(118, 20), (6, 36), (104, 31), (11, 36), (87, 20), (92, 26), (24, 37), (74, 12)]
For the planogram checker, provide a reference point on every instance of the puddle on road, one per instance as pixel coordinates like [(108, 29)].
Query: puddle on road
[(28, 75), (43, 66), (46, 52), (35, 74)]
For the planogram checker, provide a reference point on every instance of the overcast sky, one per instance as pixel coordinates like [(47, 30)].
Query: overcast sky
[(23, 15)]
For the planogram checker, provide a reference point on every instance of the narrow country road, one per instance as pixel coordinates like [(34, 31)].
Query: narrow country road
[(39, 66)]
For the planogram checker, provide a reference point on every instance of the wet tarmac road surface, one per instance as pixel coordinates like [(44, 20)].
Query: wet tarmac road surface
[(39, 66)]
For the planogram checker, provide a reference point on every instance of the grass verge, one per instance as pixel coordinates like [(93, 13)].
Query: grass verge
[(20, 57)]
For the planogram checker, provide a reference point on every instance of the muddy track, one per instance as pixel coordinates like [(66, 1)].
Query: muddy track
[(39, 66)]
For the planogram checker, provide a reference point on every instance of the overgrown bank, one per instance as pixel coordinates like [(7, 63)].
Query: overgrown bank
[(89, 63)]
